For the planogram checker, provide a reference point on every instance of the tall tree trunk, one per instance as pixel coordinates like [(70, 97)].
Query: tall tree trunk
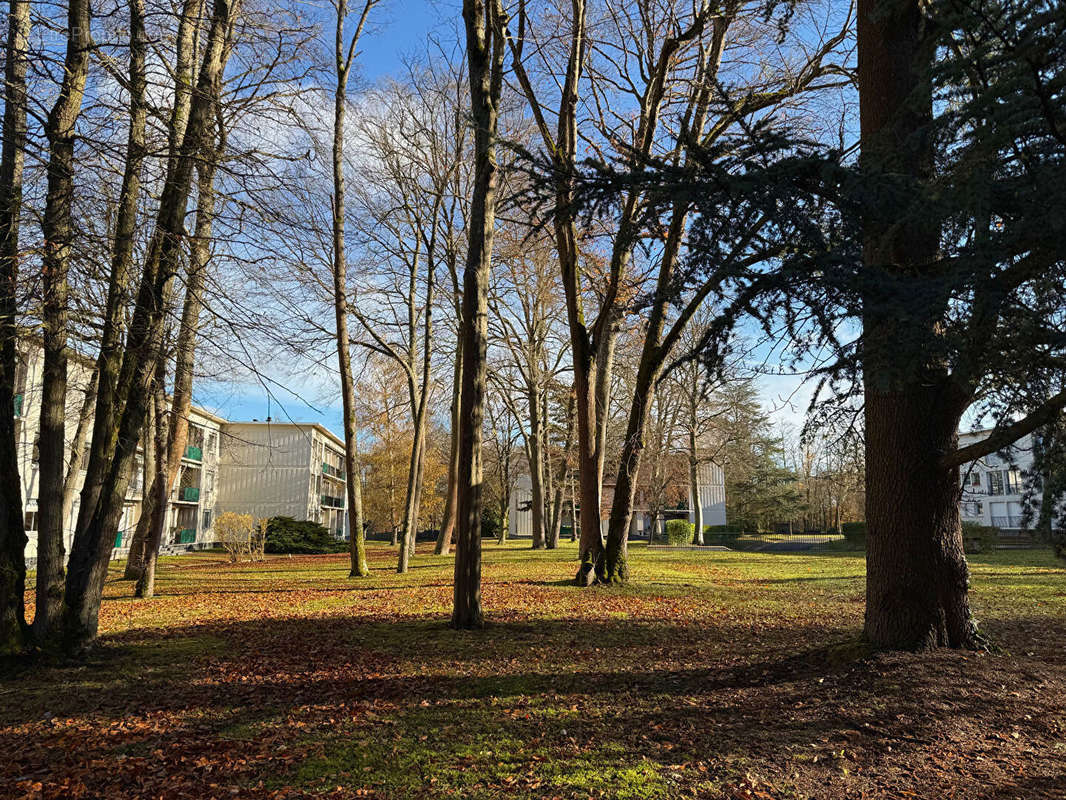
[(447, 528), (135, 557), (184, 358), (485, 47), (58, 228), (343, 56), (77, 446), (536, 465), (154, 512), (409, 531), (13, 629), (916, 574), (560, 479), (89, 556), (694, 483), (109, 360)]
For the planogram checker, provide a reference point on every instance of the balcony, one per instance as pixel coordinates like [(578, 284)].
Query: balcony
[(189, 494), (18, 405), (1007, 522), (333, 502), (194, 453), (335, 472)]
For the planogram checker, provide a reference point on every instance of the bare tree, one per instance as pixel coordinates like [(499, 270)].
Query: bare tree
[(13, 629), (57, 226), (485, 44), (344, 55), (111, 461)]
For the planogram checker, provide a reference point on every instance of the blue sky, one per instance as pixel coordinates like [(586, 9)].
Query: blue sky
[(399, 30)]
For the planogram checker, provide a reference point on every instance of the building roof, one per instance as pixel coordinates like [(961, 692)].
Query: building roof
[(316, 426)]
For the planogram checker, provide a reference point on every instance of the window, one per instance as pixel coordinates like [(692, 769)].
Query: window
[(31, 520), (207, 520), (1014, 481), (975, 479), (995, 482), (209, 481)]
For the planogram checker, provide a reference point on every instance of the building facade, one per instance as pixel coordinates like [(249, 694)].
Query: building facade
[(271, 469), (994, 487), (190, 513), (711, 499)]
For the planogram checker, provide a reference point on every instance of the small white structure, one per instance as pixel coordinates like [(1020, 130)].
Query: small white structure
[(711, 480), (994, 487), (711, 498), (289, 469)]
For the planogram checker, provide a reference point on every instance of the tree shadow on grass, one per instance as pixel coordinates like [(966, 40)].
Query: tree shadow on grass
[(412, 709)]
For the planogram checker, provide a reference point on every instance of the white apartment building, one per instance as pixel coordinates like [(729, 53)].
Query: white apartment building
[(993, 487), (286, 469), (711, 498), (191, 509)]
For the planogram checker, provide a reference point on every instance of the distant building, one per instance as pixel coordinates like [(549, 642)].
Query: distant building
[(286, 469), (260, 468), (190, 512), (711, 498), (994, 487)]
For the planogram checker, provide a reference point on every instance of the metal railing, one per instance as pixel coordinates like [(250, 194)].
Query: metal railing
[(1009, 521)]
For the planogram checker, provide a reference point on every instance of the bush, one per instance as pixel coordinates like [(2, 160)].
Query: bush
[(854, 533), (722, 534), (236, 535), (679, 531), (287, 535), (977, 538)]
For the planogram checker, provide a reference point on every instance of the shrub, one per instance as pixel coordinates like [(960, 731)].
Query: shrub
[(722, 534), (287, 535), (236, 534), (854, 533), (977, 538), (679, 531)]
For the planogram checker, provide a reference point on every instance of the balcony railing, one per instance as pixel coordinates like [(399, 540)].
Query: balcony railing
[(187, 536), (329, 469), (335, 502), (118, 539), (190, 494), (194, 453), (1007, 522), (18, 405)]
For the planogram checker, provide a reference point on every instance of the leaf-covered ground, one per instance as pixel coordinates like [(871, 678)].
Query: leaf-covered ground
[(713, 674)]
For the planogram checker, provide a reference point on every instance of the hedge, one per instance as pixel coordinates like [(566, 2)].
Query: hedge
[(679, 531)]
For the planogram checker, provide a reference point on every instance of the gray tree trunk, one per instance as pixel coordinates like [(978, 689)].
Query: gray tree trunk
[(13, 628), (485, 48), (58, 228)]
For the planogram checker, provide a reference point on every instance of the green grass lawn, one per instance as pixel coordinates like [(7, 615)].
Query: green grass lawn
[(712, 674)]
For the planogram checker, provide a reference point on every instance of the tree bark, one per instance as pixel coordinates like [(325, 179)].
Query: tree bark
[(77, 446), (916, 575), (694, 484), (353, 487), (185, 359), (154, 511), (447, 528), (91, 549), (57, 226), (536, 465), (13, 628), (135, 557), (105, 422), (485, 42)]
